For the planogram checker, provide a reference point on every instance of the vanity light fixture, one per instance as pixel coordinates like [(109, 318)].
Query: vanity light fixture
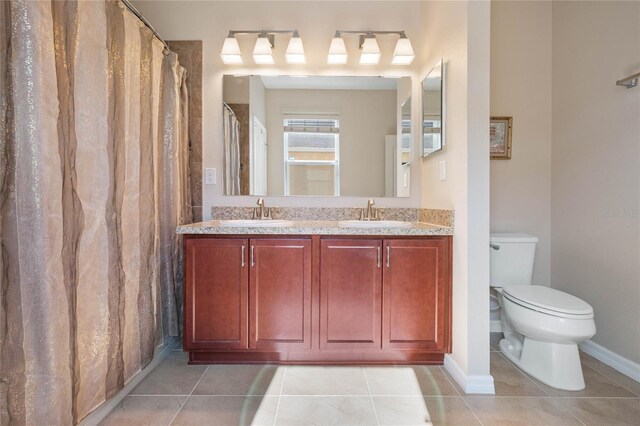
[(370, 55), (263, 49), (231, 50), (337, 50)]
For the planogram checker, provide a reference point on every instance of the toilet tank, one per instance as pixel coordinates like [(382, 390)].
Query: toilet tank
[(512, 256)]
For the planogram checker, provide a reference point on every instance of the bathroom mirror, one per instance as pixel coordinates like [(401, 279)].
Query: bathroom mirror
[(317, 135), (433, 111)]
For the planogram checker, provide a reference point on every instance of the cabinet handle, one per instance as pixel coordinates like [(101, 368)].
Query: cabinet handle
[(253, 263), (243, 264), (388, 255), (378, 256)]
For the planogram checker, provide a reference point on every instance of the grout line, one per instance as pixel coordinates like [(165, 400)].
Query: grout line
[(444, 373), (366, 379), (526, 375), (472, 411), (284, 377), (611, 379), (571, 412), (191, 393)]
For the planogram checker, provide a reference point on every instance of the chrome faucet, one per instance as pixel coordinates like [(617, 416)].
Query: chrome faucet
[(371, 212), (261, 212)]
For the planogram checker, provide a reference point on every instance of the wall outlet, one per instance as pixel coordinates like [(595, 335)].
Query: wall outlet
[(210, 176), (443, 170)]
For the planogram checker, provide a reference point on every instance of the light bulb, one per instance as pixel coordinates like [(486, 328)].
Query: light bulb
[(295, 50), (370, 51), (337, 51), (231, 51), (403, 54), (262, 52)]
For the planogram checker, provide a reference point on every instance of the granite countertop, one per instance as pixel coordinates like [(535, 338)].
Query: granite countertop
[(312, 227)]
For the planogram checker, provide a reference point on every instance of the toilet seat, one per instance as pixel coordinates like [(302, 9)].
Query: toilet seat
[(548, 301)]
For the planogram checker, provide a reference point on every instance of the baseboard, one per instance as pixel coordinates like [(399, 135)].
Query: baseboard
[(470, 384), (612, 359), (495, 326), (100, 413)]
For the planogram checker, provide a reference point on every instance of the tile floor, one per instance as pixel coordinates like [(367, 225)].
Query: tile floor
[(178, 394)]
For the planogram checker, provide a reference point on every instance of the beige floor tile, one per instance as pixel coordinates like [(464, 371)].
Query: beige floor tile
[(401, 410), (228, 410), (494, 341), (409, 380), (510, 381), (450, 411), (172, 377), (605, 411), (452, 381), (416, 410), (325, 410), (145, 410), (308, 380), (506, 411), (241, 380), (597, 385), (611, 373)]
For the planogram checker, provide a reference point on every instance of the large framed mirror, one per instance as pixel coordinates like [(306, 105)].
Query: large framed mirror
[(317, 135), (433, 110)]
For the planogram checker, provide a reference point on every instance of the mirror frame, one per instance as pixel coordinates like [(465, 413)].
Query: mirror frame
[(443, 109)]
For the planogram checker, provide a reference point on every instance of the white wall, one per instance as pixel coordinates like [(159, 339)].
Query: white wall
[(317, 21), (521, 87), (236, 90), (366, 116), (459, 33), (595, 179)]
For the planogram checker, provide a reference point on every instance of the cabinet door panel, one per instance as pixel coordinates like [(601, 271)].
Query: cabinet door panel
[(280, 294), (415, 311), (350, 294), (216, 296)]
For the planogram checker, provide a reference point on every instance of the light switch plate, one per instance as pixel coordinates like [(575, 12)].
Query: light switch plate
[(210, 176), (443, 170)]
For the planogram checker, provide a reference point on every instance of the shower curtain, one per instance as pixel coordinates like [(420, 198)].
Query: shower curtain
[(231, 152), (93, 181)]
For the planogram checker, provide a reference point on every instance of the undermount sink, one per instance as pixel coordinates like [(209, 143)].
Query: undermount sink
[(267, 223), (373, 224)]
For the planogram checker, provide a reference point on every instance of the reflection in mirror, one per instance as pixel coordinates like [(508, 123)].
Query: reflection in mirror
[(317, 135), (433, 110)]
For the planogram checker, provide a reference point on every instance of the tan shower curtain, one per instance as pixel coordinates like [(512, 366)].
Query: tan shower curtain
[(93, 180)]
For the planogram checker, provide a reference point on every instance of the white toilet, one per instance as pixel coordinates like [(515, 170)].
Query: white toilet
[(542, 326)]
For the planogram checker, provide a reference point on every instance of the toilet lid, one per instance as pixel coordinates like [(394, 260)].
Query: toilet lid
[(546, 299)]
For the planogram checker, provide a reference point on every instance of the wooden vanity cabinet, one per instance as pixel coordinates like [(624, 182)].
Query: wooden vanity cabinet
[(280, 294), (350, 294), (216, 293), (317, 299)]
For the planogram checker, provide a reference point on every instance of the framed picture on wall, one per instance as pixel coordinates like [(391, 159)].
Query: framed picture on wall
[(500, 138)]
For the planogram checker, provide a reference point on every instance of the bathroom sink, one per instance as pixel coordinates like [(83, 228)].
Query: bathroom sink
[(373, 224), (255, 223)]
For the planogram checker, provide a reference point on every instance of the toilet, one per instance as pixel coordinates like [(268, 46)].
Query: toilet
[(542, 327)]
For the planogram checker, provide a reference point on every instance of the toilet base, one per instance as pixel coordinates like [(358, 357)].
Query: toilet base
[(554, 364)]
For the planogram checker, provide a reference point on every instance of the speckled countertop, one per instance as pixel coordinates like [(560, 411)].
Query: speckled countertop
[(312, 227)]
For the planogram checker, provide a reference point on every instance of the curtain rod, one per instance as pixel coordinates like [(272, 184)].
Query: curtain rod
[(145, 22)]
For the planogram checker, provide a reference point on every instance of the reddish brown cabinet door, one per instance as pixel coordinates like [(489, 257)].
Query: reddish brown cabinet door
[(216, 294), (280, 294), (416, 311), (350, 294)]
